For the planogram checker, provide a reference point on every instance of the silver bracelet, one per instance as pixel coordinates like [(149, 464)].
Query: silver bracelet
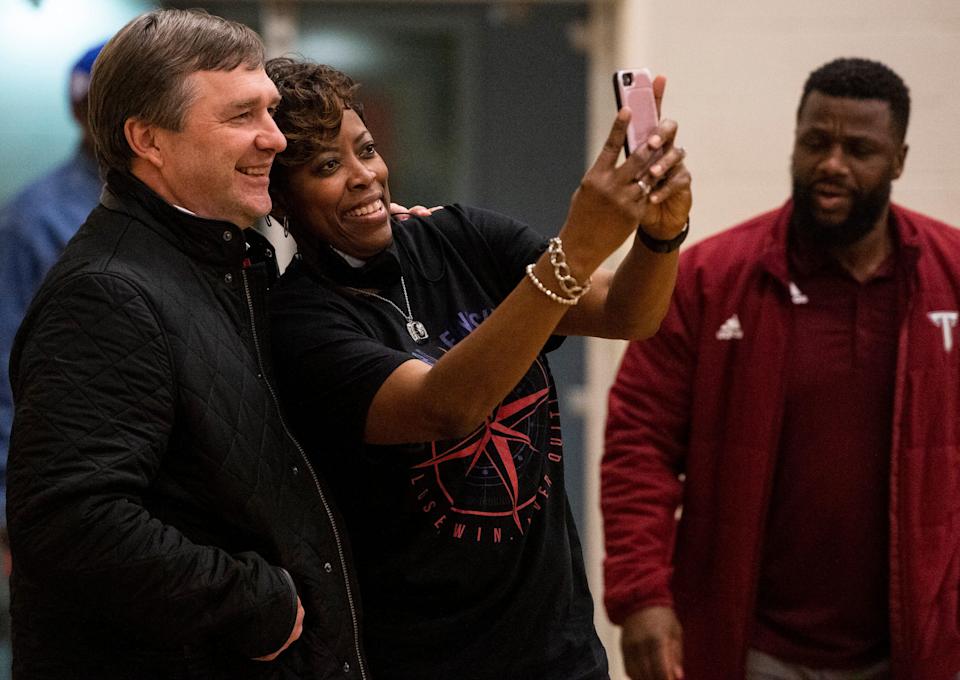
[(549, 293), (561, 270)]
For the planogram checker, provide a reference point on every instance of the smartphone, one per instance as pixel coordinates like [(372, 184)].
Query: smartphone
[(634, 88)]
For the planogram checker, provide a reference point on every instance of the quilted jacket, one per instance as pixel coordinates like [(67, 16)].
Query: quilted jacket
[(707, 403), (157, 505)]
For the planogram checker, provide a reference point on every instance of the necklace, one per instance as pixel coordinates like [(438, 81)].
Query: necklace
[(418, 332)]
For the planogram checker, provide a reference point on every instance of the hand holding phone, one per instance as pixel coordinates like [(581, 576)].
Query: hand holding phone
[(634, 89)]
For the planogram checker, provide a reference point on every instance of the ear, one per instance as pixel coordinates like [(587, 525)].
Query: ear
[(142, 138), (900, 161)]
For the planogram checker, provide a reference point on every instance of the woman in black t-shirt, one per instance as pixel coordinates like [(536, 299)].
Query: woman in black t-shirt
[(412, 358)]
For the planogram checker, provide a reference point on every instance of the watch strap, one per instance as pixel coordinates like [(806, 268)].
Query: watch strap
[(663, 245)]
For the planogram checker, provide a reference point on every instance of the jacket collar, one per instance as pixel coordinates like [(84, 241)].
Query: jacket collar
[(215, 242), (773, 252), (775, 257)]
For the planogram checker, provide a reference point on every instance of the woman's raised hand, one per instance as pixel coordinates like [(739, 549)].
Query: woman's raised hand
[(651, 189), (668, 203)]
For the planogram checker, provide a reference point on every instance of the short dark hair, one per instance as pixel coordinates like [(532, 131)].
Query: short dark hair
[(313, 98), (141, 72), (857, 78)]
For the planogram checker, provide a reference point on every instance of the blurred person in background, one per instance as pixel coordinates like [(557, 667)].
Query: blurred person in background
[(35, 225), (801, 405)]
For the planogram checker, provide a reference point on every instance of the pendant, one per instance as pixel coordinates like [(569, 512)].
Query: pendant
[(417, 331)]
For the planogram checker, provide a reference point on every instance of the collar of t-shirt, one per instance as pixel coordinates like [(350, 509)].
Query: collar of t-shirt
[(379, 272)]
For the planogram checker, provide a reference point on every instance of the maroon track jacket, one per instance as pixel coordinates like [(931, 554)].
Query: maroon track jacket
[(703, 398)]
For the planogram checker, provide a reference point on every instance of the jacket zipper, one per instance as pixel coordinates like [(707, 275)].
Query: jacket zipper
[(313, 474)]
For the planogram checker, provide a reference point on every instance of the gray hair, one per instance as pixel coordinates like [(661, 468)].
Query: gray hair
[(142, 72)]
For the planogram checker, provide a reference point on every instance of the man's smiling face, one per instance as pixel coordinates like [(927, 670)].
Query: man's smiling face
[(218, 164)]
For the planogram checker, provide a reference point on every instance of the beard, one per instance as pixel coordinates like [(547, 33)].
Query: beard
[(865, 210)]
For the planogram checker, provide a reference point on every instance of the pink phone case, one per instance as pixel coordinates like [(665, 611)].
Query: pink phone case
[(634, 88)]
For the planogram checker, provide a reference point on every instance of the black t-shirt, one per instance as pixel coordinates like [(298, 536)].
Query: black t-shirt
[(469, 562)]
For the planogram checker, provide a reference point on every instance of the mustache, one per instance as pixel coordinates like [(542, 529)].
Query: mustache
[(843, 187)]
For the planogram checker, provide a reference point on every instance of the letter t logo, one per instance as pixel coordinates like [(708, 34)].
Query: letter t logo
[(946, 321)]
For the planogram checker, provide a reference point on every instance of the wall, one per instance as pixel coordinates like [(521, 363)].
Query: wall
[(39, 42), (735, 73)]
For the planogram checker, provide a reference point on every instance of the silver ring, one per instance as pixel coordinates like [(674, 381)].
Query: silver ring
[(644, 187)]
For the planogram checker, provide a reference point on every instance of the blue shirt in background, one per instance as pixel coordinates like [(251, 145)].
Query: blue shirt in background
[(34, 228)]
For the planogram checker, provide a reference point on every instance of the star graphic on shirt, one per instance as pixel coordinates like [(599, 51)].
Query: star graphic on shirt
[(493, 443)]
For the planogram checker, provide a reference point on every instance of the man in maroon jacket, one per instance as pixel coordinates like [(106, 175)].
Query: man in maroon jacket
[(781, 482)]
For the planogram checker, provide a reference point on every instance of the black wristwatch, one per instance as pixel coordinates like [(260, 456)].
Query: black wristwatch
[(661, 246)]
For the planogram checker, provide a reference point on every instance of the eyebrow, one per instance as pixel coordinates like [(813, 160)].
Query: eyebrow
[(320, 147), (252, 102), (868, 133), (245, 104)]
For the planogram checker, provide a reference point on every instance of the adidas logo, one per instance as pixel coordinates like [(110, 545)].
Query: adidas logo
[(730, 330)]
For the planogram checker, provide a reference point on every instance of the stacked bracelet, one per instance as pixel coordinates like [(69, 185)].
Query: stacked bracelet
[(546, 291), (561, 271)]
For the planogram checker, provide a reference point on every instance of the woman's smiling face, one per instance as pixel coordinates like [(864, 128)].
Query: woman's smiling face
[(341, 194)]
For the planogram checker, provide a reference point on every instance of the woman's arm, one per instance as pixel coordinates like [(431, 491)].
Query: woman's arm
[(628, 303), (419, 402), (631, 302)]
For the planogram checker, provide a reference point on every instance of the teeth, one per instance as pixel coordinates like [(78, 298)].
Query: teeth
[(254, 172), (366, 209)]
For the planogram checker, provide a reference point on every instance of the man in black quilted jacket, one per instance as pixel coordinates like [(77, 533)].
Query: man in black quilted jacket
[(164, 523)]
